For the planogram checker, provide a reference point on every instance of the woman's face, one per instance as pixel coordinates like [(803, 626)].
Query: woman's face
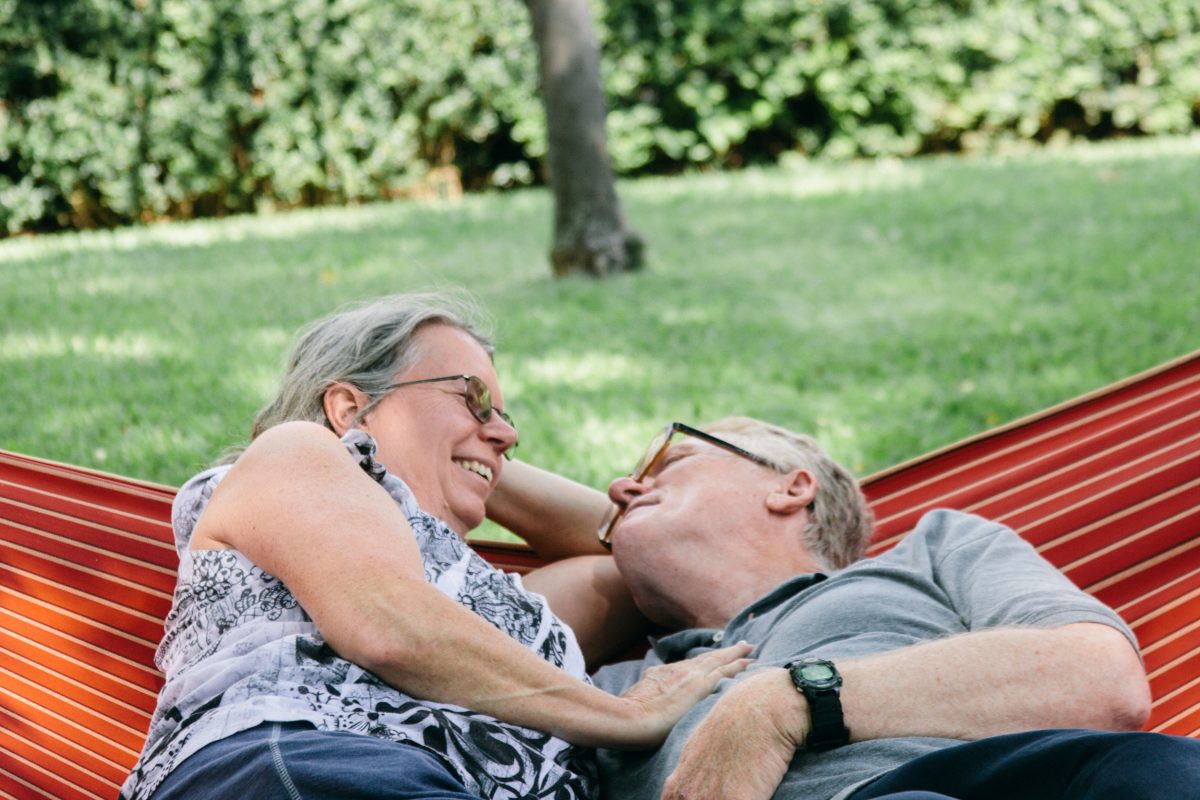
[(428, 437)]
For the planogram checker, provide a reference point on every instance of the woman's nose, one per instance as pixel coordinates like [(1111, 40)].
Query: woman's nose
[(500, 432)]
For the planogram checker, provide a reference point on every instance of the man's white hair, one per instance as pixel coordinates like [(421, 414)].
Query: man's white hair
[(840, 523)]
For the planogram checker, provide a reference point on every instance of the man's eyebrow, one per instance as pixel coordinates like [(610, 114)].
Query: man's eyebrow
[(671, 455), (685, 447), (683, 450)]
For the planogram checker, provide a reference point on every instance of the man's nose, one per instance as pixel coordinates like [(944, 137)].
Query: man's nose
[(622, 491)]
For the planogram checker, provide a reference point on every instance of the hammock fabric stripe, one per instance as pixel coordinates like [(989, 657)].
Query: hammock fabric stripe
[(1106, 486)]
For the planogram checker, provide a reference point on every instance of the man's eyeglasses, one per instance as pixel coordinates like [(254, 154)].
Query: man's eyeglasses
[(658, 448), (475, 392)]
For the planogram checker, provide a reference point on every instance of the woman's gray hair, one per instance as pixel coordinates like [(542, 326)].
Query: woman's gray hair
[(366, 344), (840, 523)]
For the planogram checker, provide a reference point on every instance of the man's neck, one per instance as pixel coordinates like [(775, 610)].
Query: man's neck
[(718, 607)]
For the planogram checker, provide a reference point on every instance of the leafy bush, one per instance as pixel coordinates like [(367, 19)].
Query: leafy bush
[(209, 108), (736, 81), (115, 111)]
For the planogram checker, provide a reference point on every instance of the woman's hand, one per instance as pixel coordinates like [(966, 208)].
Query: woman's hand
[(666, 692)]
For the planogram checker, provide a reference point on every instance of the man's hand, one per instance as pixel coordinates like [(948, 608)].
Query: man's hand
[(744, 746)]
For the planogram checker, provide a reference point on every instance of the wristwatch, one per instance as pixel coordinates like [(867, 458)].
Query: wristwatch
[(821, 684)]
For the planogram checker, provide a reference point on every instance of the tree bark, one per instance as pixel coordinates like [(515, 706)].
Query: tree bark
[(590, 232)]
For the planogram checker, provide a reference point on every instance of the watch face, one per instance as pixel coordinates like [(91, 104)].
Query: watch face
[(816, 672)]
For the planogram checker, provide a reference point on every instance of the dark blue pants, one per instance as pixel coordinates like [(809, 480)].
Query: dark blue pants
[(1049, 765), (294, 761)]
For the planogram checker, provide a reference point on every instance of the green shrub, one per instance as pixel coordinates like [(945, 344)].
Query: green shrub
[(197, 109), (736, 82), (113, 111)]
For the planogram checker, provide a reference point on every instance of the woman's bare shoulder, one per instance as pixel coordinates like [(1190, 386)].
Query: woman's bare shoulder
[(273, 470)]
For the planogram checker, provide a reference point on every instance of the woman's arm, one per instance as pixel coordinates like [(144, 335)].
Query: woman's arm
[(557, 516), (560, 518), (298, 507), (589, 594)]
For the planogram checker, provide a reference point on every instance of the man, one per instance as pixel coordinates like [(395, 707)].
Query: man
[(874, 677)]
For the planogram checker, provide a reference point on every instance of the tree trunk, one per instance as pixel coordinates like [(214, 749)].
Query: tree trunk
[(590, 232)]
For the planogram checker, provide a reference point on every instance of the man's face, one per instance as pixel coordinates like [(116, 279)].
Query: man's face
[(686, 525)]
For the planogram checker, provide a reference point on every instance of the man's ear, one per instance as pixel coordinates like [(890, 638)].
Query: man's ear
[(342, 402), (795, 492)]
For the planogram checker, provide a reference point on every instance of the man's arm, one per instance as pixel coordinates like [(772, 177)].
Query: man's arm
[(969, 686), (1083, 675)]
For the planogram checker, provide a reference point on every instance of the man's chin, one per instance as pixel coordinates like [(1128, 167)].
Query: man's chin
[(630, 529)]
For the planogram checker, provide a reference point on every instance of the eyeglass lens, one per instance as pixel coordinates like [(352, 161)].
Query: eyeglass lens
[(652, 454), (479, 399), (658, 446), (479, 403)]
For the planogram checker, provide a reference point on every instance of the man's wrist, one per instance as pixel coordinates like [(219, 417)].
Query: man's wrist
[(819, 681), (794, 716)]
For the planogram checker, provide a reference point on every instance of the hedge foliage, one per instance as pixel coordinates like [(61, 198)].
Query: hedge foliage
[(740, 80), (114, 111)]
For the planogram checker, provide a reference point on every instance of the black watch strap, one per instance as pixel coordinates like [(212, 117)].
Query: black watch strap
[(820, 683)]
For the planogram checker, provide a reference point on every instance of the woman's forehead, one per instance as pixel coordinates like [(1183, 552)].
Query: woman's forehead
[(444, 344)]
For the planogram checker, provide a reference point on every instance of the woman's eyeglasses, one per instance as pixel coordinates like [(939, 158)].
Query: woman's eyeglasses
[(475, 393), (654, 453)]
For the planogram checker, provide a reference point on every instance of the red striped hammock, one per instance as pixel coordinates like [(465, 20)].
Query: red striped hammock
[(1107, 486)]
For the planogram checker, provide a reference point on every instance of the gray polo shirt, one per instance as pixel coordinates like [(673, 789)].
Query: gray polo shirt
[(955, 573)]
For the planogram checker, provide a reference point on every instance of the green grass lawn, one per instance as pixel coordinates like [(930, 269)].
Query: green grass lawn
[(888, 308)]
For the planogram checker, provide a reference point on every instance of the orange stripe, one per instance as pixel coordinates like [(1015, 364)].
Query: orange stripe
[(997, 477), (1140, 566), (24, 784), (55, 757), (1147, 605), (83, 522), (1165, 609), (98, 573), (137, 666), (56, 499), (91, 624), (1179, 724), (84, 689), (1192, 687), (1078, 484), (89, 476), (37, 714), (1028, 438)]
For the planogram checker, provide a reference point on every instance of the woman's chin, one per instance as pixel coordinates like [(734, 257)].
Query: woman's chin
[(464, 520)]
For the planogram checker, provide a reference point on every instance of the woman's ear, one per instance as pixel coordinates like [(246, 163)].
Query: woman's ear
[(343, 402), (795, 492)]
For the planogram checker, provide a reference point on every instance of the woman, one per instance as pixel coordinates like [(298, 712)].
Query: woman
[(332, 635)]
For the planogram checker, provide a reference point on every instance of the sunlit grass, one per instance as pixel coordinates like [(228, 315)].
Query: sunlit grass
[(889, 307)]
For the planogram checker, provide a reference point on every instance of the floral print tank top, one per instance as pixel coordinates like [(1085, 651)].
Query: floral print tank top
[(238, 650)]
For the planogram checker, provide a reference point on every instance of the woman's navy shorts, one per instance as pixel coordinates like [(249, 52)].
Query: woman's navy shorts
[(295, 761)]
